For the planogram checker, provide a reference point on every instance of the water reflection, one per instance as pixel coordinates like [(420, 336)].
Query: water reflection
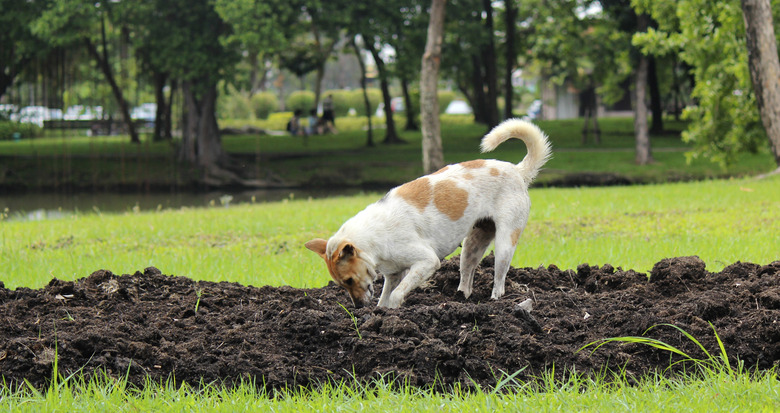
[(40, 206)]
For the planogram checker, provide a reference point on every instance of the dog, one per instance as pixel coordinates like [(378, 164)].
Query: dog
[(405, 235)]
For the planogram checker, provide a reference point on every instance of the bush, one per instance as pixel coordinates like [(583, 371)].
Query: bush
[(300, 99), (25, 130), (343, 100), (264, 103), (233, 105)]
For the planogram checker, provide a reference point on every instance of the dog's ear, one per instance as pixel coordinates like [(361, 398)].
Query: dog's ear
[(347, 251), (318, 245)]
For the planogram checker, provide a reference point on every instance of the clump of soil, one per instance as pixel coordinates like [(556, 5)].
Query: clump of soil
[(163, 327)]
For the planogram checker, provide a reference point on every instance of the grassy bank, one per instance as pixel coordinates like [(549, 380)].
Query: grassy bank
[(64, 161), (259, 244), (262, 244)]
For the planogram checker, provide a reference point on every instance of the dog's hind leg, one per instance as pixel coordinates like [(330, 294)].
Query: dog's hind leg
[(506, 242), (474, 246)]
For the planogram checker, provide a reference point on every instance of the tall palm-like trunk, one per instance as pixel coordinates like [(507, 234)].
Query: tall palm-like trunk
[(433, 155), (764, 68)]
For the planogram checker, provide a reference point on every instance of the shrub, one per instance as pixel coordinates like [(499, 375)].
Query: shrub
[(264, 103), (233, 105), (25, 130), (300, 99)]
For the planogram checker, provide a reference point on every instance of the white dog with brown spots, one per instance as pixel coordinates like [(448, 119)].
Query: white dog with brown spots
[(405, 235)]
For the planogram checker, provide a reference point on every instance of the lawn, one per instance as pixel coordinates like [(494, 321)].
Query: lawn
[(722, 221)]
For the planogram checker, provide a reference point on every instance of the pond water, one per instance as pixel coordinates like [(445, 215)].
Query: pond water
[(41, 206)]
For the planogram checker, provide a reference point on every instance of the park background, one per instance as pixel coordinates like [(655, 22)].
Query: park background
[(162, 105)]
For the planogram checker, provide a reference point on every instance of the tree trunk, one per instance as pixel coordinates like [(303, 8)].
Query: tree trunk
[(370, 141), (479, 100), (411, 113), (764, 67), (105, 67), (655, 97), (491, 72), (433, 154), (391, 136), (511, 56), (201, 143), (168, 122), (643, 155), (160, 79)]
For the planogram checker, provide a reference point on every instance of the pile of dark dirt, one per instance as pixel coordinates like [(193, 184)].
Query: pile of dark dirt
[(150, 324)]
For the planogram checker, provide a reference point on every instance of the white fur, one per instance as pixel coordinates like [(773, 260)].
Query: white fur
[(406, 244)]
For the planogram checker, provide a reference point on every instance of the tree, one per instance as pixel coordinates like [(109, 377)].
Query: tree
[(709, 37), (470, 56), (370, 132), (73, 22), (764, 68), (642, 137), (18, 45), (433, 156), (510, 51)]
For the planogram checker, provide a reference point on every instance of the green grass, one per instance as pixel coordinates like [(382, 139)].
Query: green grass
[(262, 244), (715, 391), (721, 221)]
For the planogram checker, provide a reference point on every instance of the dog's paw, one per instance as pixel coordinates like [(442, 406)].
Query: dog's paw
[(460, 296)]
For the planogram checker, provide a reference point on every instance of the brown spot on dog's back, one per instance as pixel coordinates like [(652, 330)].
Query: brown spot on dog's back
[(417, 192), (441, 170), (494, 172), (468, 176), (450, 200), (475, 164)]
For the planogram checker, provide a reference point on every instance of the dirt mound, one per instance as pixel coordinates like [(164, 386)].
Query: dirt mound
[(150, 324)]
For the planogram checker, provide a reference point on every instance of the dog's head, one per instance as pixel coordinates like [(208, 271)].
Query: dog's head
[(349, 268)]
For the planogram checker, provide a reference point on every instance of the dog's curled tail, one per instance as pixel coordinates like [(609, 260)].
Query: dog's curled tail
[(539, 150)]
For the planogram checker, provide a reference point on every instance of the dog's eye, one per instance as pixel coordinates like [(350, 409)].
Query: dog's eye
[(349, 281)]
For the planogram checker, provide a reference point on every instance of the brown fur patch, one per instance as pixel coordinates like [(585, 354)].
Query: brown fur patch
[(475, 164), (441, 170), (450, 200), (494, 172), (516, 235), (468, 176), (418, 192)]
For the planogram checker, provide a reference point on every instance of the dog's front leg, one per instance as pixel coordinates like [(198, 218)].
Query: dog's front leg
[(391, 281), (419, 273)]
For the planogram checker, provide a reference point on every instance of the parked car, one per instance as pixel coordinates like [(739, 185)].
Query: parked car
[(80, 112), (145, 112), (8, 111), (36, 115)]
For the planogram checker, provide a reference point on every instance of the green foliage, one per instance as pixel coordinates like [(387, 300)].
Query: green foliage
[(300, 99), (25, 130), (234, 105), (344, 100), (710, 37), (264, 103)]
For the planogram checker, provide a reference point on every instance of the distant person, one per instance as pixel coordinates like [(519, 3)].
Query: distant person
[(313, 128), (328, 115), (294, 124)]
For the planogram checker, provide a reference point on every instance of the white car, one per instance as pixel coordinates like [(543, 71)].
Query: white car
[(79, 112), (146, 112), (37, 114)]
